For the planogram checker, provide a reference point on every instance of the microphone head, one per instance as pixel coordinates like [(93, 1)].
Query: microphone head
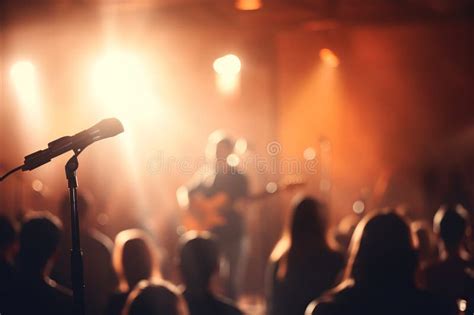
[(108, 128), (104, 129)]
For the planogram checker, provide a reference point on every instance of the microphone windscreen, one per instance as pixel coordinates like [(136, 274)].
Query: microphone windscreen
[(109, 127)]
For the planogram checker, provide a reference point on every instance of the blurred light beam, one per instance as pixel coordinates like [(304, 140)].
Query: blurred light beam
[(25, 81), (120, 83)]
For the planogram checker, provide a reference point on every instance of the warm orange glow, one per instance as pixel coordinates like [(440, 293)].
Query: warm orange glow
[(25, 82), (248, 5), (325, 185), (329, 58), (227, 70)]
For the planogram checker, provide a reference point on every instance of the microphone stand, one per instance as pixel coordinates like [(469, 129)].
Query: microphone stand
[(77, 266)]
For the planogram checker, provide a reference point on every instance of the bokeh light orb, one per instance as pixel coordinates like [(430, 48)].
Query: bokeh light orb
[(358, 206)]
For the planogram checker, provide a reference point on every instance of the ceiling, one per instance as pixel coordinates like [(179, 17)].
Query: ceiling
[(275, 14)]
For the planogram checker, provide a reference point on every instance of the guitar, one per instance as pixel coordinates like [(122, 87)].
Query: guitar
[(204, 213)]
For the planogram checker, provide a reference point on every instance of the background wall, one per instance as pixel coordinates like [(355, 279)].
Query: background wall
[(399, 95)]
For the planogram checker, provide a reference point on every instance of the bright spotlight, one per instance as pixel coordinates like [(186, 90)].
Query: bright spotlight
[(227, 65), (329, 58), (25, 81), (248, 5), (119, 81), (227, 70)]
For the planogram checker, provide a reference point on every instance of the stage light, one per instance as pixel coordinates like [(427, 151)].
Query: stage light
[(25, 81), (227, 70), (121, 84), (329, 58), (248, 5), (227, 65)]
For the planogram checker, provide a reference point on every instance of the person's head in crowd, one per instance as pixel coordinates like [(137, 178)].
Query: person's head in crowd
[(85, 209), (219, 147), (134, 258), (8, 239), (308, 226), (307, 234), (382, 252), (199, 260), (426, 246), (160, 298), (452, 224), (39, 239)]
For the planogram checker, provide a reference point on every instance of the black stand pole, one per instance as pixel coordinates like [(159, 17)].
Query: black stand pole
[(77, 276)]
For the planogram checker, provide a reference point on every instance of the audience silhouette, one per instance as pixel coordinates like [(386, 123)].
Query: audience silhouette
[(99, 277), (452, 274), (199, 262), (391, 268), (134, 259), (35, 292), (307, 267), (380, 274), (160, 298), (8, 248)]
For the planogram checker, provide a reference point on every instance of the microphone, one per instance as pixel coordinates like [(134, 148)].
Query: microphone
[(104, 129)]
